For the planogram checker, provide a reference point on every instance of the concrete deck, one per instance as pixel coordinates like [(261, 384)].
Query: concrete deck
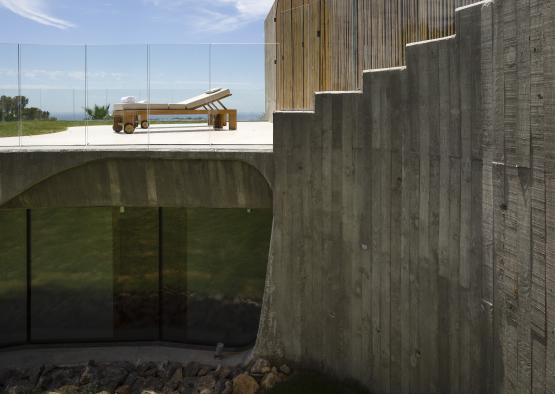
[(254, 135), (32, 357)]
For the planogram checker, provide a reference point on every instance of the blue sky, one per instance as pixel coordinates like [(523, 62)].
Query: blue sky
[(53, 57), (132, 21)]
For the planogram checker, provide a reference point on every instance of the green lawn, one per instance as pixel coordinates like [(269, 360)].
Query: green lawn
[(313, 383), (86, 260), (36, 127), (224, 250)]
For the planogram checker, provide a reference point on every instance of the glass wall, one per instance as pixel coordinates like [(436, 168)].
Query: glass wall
[(9, 93), (224, 272), (192, 276), (13, 277), (136, 268), (71, 274), (53, 95)]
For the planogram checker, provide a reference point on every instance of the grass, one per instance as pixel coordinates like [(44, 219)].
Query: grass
[(314, 383), (37, 127), (224, 250), (81, 258)]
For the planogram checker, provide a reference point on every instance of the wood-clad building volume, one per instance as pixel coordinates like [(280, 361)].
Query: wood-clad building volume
[(324, 45)]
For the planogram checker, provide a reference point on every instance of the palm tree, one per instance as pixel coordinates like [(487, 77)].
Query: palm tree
[(98, 112)]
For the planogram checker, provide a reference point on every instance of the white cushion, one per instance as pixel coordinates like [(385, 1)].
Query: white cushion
[(205, 98), (192, 103)]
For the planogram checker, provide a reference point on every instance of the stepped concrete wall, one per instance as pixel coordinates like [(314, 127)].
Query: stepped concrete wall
[(414, 222)]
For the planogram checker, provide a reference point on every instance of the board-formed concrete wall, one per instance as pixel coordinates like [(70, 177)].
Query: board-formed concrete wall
[(76, 178), (414, 229)]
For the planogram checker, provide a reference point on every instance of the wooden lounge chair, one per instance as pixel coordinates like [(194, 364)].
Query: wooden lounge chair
[(128, 117)]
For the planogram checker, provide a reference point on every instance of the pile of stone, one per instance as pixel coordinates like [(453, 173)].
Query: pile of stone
[(145, 378)]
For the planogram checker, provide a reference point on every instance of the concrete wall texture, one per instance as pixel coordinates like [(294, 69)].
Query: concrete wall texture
[(414, 229), (75, 178)]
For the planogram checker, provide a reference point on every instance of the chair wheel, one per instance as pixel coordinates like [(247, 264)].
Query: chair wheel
[(129, 128), (144, 124), (117, 128)]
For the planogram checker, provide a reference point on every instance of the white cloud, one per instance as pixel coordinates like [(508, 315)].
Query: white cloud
[(251, 8), (35, 10), (216, 15)]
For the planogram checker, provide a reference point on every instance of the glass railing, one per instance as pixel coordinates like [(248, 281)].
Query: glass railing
[(144, 95)]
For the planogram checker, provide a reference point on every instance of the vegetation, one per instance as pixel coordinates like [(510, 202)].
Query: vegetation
[(225, 252), (101, 112), (315, 383), (36, 127), (10, 107)]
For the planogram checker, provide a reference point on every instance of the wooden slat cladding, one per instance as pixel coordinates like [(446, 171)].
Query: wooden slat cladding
[(326, 44), (271, 52)]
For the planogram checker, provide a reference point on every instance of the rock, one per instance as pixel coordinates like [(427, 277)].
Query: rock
[(45, 381), (138, 385), (206, 383), (228, 388), (173, 369), (177, 375), (89, 375), (47, 368), (192, 369), (33, 375), (61, 377), (153, 383), (168, 368), (183, 389), (69, 389), (148, 368), (124, 389), (270, 380), (122, 364), (130, 379), (223, 372), (18, 389), (125, 378), (112, 377), (204, 370), (285, 369), (173, 383), (261, 367), (6, 375), (245, 384), (190, 382), (235, 372)]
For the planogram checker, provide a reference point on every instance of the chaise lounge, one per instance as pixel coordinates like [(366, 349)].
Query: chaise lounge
[(128, 116)]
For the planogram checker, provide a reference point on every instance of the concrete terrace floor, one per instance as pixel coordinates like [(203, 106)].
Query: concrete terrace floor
[(249, 135)]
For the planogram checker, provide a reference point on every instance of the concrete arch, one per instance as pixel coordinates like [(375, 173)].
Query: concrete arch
[(150, 182)]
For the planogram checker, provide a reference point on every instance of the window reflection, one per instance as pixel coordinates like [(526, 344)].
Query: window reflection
[(71, 274), (227, 255), (13, 282), (193, 276), (174, 268), (136, 273)]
